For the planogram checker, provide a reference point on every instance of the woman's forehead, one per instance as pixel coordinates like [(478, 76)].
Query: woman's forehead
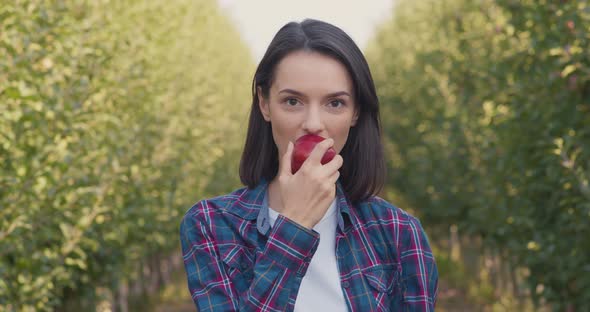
[(311, 71)]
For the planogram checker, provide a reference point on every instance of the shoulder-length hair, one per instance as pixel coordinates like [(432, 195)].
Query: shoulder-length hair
[(363, 172)]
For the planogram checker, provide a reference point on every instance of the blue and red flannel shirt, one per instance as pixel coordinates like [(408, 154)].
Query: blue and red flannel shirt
[(235, 261)]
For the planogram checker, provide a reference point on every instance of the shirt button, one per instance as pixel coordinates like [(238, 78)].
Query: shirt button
[(345, 284)]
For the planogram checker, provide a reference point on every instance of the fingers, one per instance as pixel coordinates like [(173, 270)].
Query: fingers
[(334, 177), (318, 151), (334, 164), (285, 168)]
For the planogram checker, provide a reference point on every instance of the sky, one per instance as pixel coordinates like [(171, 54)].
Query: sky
[(259, 20)]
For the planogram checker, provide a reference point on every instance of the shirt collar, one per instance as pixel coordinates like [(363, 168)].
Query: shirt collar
[(252, 204)]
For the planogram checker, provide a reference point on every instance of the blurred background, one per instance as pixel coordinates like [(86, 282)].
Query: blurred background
[(117, 116)]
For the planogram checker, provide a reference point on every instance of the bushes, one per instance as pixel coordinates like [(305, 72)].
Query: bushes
[(111, 128), (486, 108)]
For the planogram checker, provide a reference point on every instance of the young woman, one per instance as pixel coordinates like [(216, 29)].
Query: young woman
[(318, 239)]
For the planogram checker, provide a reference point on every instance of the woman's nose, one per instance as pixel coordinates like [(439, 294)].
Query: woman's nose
[(313, 121)]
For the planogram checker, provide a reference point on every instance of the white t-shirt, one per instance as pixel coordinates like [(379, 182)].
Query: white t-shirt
[(320, 288)]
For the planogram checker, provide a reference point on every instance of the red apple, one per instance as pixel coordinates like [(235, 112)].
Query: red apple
[(303, 147)]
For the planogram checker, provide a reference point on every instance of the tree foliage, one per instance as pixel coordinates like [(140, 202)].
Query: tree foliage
[(486, 109), (114, 115)]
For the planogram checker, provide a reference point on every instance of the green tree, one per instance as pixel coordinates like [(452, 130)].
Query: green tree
[(114, 116), (486, 110)]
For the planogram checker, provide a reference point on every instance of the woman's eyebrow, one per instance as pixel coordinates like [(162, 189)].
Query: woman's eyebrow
[(335, 94)]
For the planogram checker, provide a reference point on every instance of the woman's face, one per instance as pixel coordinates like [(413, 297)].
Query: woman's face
[(311, 94)]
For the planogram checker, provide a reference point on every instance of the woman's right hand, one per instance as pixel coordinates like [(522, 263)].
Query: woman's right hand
[(307, 194)]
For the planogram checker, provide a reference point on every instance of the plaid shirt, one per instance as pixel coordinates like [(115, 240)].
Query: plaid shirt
[(235, 261)]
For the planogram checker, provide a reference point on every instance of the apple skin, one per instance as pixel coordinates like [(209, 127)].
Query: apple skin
[(303, 147)]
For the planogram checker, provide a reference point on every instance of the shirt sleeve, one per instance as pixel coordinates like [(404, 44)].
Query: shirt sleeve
[(419, 271), (278, 269)]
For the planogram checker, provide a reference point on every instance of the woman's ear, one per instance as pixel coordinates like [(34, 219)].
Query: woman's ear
[(355, 117), (263, 104)]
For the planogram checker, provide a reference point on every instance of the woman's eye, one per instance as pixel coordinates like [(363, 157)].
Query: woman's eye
[(292, 101), (336, 103)]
